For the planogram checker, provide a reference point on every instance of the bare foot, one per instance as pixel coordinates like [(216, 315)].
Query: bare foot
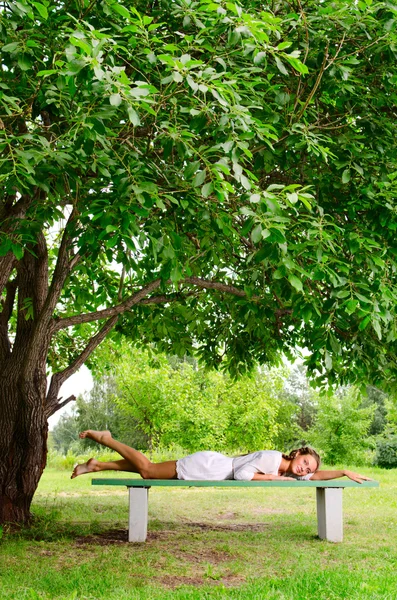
[(87, 467), (97, 436)]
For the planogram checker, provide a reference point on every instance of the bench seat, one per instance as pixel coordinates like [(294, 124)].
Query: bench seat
[(328, 494)]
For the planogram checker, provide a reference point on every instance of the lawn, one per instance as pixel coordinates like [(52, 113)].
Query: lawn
[(202, 543)]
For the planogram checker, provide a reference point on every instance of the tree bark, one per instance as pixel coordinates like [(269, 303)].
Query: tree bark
[(23, 442)]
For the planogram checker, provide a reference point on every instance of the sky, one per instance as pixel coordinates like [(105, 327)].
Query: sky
[(77, 384)]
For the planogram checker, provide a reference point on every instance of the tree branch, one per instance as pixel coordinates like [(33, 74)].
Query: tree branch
[(166, 298), (59, 378), (59, 404), (216, 285), (140, 298), (7, 264), (107, 312), (62, 268), (317, 83)]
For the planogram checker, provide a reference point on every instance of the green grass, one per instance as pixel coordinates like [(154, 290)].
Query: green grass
[(202, 543)]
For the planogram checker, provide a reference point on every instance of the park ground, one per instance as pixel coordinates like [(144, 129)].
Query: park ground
[(209, 543)]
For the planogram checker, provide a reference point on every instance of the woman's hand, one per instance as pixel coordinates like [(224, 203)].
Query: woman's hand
[(356, 476)]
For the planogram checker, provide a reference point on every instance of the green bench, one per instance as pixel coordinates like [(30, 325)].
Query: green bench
[(329, 500)]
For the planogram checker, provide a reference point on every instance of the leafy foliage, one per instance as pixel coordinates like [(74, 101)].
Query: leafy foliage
[(379, 400), (244, 149), (196, 409), (386, 453), (340, 431)]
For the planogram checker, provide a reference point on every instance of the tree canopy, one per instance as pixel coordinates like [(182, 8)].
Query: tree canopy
[(208, 174)]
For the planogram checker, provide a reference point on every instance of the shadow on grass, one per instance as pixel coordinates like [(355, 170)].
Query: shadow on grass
[(47, 525)]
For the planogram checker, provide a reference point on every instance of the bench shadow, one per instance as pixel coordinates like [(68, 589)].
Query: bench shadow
[(171, 531)]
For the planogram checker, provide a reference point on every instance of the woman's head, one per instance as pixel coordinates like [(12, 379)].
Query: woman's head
[(303, 461)]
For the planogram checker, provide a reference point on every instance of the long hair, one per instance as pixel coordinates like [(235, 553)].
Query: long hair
[(304, 451)]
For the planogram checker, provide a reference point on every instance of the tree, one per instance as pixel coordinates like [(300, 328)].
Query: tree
[(65, 433), (197, 173), (297, 390), (173, 405), (179, 403), (340, 431), (378, 399)]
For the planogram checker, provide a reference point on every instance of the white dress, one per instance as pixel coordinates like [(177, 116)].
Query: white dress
[(213, 466)]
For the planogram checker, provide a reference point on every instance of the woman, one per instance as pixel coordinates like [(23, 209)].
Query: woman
[(266, 465)]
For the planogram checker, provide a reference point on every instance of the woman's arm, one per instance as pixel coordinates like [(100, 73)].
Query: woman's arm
[(263, 477), (325, 475)]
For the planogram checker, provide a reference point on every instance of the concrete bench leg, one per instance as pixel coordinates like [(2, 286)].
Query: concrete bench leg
[(330, 514), (138, 517)]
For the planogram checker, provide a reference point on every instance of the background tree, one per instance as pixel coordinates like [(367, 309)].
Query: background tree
[(378, 399), (65, 433), (236, 162), (177, 403), (340, 431), (298, 391)]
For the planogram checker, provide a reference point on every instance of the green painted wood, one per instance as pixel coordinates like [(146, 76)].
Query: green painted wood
[(231, 483)]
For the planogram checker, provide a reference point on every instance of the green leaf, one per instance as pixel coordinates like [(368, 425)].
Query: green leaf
[(121, 10), (351, 306), (133, 116), (363, 324), (259, 57), (279, 273), (328, 361), (245, 182), (79, 43), (295, 282), (293, 198), (280, 66), (199, 178), (46, 73), (41, 9), (377, 328), (10, 47), (297, 64), (256, 234), (342, 294), (115, 100), (363, 298), (207, 189), (346, 176), (24, 62), (191, 169)]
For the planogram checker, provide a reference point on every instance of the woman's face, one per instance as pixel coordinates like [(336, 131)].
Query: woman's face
[(303, 464)]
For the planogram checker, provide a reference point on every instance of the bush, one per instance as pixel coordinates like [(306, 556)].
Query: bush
[(386, 453)]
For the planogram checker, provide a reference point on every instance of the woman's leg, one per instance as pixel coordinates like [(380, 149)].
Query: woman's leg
[(93, 466), (138, 463)]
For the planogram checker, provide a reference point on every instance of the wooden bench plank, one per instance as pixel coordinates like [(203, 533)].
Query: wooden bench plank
[(334, 483)]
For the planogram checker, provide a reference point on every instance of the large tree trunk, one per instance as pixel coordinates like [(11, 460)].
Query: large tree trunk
[(23, 442)]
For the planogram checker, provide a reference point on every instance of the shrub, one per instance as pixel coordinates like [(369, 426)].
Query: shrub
[(386, 453)]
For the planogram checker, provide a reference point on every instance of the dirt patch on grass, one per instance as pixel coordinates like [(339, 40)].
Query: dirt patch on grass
[(205, 555), (175, 581), (106, 538), (120, 536), (257, 527)]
